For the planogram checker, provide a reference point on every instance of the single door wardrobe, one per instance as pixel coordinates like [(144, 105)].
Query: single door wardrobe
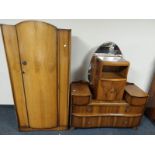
[(38, 57)]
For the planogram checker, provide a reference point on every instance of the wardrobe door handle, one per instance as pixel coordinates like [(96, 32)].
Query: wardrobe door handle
[(24, 62)]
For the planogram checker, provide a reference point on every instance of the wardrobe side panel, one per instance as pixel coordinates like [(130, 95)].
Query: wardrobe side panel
[(13, 60), (64, 43)]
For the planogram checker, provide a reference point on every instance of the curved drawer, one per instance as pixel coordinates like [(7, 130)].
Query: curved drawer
[(104, 121)]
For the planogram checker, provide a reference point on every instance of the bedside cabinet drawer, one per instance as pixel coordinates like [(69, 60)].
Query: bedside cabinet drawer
[(80, 100), (134, 95), (134, 109), (80, 93)]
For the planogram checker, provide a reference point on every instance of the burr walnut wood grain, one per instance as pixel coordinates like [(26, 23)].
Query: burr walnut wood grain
[(134, 95), (108, 78), (105, 121), (108, 109), (110, 90), (80, 93), (98, 113)]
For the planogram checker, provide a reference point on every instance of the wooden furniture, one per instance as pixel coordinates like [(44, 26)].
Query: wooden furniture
[(124, 113), (81, 94), (107, 100), (108, 78), (150, 110), (38, 56)]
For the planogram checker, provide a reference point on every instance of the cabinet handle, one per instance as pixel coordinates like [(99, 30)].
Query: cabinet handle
[(24, 62), (65, 45)]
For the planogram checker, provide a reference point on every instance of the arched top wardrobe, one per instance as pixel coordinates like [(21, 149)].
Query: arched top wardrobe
[(38, 56)]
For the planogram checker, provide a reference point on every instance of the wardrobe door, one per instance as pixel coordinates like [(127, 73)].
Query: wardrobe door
[(37, 43)]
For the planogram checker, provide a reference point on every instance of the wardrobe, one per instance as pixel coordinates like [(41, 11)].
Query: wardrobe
[(38, 57), (150, 110)]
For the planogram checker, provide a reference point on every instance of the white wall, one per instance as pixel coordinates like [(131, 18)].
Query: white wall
[(136, 39)]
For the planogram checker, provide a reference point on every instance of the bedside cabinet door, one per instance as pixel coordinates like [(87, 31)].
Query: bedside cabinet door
[(110, 90)]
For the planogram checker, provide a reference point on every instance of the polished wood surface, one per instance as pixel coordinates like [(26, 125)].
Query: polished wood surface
[(108, 109), (105, 121), (123, 62), (81, 100), (101, 113), (134, 95), (134, 90), (38, 48), (108, 78), (25, 129), (38, 57), (112, 103), (80, 89), (64, 44), (110, 90), (13, 60), (80, 93), (112, 76)]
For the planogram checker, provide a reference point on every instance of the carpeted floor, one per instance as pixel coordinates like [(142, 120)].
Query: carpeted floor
[(8, 126)]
